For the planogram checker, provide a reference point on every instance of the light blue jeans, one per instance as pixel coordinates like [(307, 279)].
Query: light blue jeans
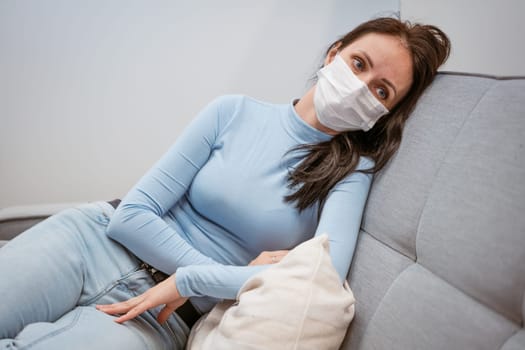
[(51, 277)]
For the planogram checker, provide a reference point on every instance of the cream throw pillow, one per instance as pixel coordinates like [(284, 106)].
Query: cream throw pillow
[(298, 303)]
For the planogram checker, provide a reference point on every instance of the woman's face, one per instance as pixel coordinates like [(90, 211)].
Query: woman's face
[(382, 62)]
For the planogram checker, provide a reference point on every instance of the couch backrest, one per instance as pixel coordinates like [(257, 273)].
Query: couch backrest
[(440, 262)]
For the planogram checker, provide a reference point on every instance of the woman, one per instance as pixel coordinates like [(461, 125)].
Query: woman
[(244, 177)]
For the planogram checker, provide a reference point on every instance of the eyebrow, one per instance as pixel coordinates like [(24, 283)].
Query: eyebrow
[(386, 81)]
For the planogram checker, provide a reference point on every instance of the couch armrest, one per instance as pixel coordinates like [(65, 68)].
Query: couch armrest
[(14, 220)]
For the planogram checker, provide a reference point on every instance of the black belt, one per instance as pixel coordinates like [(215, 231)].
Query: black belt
[(186, 311)]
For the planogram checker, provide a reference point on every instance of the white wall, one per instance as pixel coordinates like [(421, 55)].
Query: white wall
[(93, 92), (487, 36)]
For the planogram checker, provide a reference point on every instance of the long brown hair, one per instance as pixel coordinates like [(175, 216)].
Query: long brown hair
[(327, 163)]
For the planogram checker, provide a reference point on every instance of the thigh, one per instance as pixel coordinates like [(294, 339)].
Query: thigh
[(173, 333), (86, 328), (65, 260)]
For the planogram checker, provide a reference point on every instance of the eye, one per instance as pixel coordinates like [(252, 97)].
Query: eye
[(382, 93), (358, 64)]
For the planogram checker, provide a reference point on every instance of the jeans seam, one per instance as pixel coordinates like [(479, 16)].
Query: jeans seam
[(167, 327), (134, 294), (58, 331), (110, 286)]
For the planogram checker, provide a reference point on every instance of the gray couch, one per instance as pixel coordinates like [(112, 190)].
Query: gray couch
[(440, 262)]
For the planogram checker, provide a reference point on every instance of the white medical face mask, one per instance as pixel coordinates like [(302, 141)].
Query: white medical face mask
[(343, 102)]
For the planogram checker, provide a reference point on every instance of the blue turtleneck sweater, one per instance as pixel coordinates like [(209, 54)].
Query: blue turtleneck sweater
[(214, 201)]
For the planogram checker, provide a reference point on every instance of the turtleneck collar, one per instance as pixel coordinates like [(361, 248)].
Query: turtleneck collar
[(300, 130)]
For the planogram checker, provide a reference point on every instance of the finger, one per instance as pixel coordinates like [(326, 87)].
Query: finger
[(280, 252), (108, 308), (169, 308), (165, 313), (132, 300), (131, 314), (255, 262), (120, 308), (117, 308), (277, 257)]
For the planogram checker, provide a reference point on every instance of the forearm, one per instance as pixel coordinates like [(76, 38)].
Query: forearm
[(152, 240), (217, 281), (342, 215), (138, 222)]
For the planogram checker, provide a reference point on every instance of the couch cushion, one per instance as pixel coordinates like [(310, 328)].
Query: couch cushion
[(374, 268), (441, 262), (402, 188), (472, 229), (422, 311)]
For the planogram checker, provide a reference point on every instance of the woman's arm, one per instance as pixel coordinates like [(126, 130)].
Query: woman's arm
[(342, 214), (340, 219), (137, 223), (167, 294)]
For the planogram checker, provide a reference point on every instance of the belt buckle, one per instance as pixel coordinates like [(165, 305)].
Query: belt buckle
[(158, 276)]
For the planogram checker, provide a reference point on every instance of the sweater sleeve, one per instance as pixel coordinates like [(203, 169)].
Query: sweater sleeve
[(137, 223), (342, 214), (340, 219)]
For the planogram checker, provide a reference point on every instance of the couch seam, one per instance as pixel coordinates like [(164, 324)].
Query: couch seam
[(381, 302), (470, 296), (522, 323), (509, 338), (388, 246), (391, 284), (469, 116), (482, 75)]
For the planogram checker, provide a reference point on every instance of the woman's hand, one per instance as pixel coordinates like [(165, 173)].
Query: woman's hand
[(164, 293), (270, 257)]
